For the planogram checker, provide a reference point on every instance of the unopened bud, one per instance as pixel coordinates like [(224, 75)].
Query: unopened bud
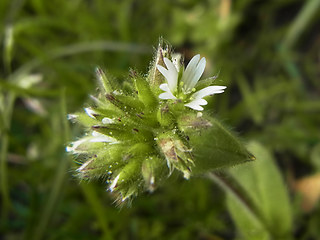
[(177, 154)]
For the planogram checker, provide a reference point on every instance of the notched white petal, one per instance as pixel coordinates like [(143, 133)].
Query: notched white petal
[(196, 104), (193, 63), (163, 71), (172, 77), (208, 91), (198, 72), (193, 73), (164, 87), (167, 94)]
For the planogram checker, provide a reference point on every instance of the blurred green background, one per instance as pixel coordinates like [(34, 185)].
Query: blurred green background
[(266, 52)]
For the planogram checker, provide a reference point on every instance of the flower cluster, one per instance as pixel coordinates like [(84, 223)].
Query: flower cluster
[(136, 136), (181, 83)]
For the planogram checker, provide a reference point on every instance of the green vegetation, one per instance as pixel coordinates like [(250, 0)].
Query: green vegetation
[(266, 52)]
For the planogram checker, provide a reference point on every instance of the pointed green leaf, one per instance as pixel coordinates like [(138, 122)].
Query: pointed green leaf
[(213, 146)]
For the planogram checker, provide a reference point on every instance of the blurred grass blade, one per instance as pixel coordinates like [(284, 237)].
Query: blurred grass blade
[(301, 22), (27, 92), (7, 102), (5, 129), (8, 47), (78, 48), (254, 107)]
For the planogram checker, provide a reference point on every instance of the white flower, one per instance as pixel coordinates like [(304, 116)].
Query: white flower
[(183, 85)]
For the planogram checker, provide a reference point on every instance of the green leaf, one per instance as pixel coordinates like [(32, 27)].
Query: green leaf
[(213, 146), (264, 187)]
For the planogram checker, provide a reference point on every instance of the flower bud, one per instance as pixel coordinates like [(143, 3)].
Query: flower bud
[(177, 154), (155, 78)]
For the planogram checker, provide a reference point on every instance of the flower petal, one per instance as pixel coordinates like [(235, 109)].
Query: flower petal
[(164, 87), (195, 104), (167, 94), (163, 71), (171, 77), (173, 74), (198, 73), (208, 91), (188, 75)]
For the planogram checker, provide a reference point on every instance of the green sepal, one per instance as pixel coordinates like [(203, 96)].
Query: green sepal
[(107, 112), (83, 119), (101, 76), (154, 170), (145, 94), (93, 168), (213, 145), (130, 172), (103, 163), (127, 104), (129, 180), (140, 149), (165, 116), (114, 130)]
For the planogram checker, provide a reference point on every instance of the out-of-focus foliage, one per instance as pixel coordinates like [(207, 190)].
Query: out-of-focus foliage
[(266, 52), (268, 202)]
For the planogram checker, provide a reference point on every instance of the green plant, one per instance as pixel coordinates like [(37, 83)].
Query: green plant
[(137, 136)]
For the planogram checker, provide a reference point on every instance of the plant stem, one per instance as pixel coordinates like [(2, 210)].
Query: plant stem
[(78, 48), (235, 194)]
